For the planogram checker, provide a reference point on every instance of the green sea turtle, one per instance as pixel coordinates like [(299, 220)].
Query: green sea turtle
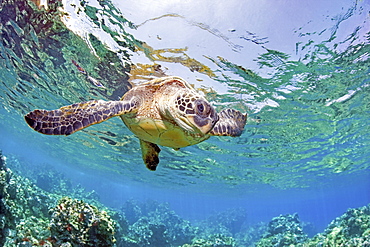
[(166, 111)]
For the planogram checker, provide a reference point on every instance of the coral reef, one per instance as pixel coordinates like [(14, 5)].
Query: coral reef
[(350, 229), (215, 240), (228, 222), (132, 210), (30, 216), (24, 209), (284, 230), (3, 210), (249, 235), (154, 224), (80, 224)]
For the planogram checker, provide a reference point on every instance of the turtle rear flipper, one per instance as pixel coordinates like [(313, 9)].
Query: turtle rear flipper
[(231, 123), (150, 152), (71, 118)]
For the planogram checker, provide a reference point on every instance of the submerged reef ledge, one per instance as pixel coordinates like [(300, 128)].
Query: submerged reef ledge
[(49, 212)]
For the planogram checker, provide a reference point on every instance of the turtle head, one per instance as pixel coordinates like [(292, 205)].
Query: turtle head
[(194, 113)]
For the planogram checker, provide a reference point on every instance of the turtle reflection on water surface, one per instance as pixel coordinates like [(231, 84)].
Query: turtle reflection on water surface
[(166, 111)]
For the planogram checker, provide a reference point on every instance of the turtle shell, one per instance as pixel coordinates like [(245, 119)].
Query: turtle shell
[(154, 120), (162, 132)]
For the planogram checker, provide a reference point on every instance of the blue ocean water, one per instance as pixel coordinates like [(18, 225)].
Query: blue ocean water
[(300, 72)]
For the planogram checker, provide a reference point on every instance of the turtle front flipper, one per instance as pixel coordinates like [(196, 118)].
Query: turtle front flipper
[(231, 123), (71, 118), (150, 152)]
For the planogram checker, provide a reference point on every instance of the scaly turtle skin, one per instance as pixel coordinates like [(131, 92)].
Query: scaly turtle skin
[(165, 111)]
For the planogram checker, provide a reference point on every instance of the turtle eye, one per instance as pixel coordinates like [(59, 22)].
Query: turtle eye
[(205, 115), (202, 108)]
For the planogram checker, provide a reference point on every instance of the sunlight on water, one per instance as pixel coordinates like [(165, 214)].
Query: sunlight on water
[(308, 109)]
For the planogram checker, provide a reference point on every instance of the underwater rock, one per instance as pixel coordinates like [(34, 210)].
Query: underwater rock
[(215, 240), (249, 235), (145, 232), (24, 210), (155, 225), (232, 219), (178, 230), (132, 211), (29, 216), (80, 224), (284, 230), (309, 229), (228, 223), (350, 229)]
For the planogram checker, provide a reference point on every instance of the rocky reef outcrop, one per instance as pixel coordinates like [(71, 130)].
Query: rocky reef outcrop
[(154, 224), (80, 224), (284, 230), (350, 229), (24, 209)]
